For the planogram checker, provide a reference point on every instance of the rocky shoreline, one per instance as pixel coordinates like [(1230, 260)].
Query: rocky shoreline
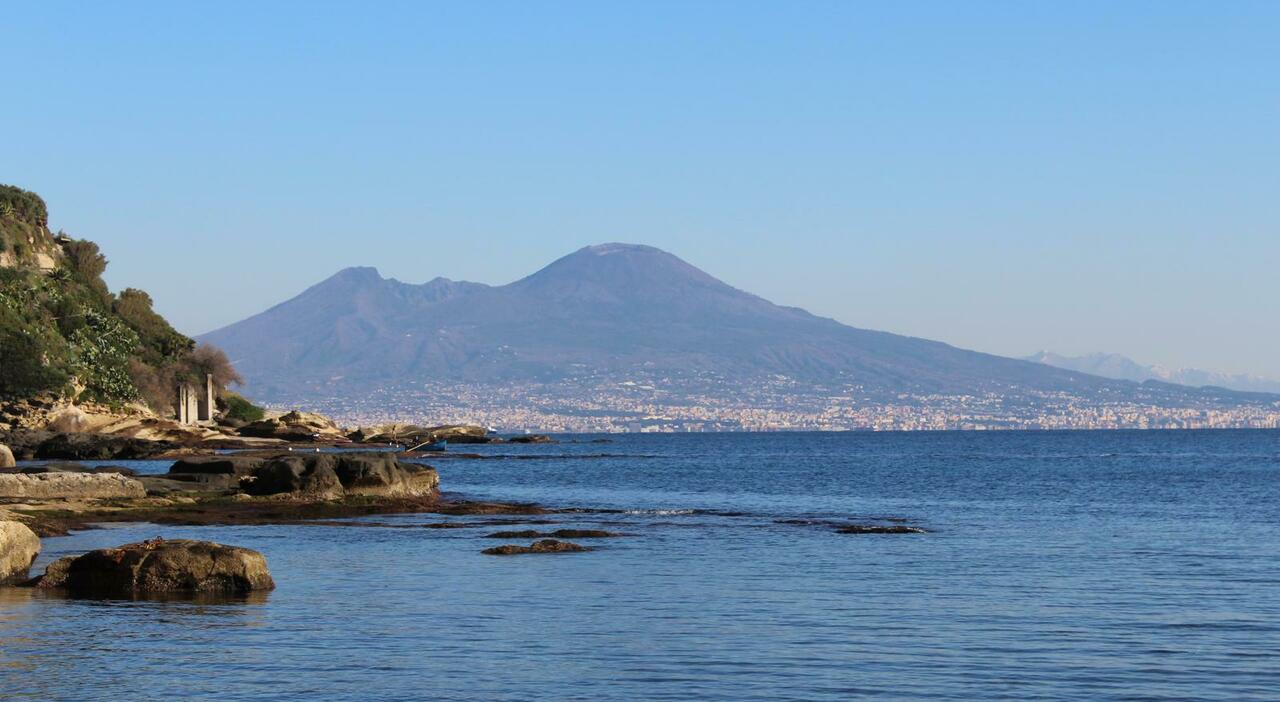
[(269, 479)]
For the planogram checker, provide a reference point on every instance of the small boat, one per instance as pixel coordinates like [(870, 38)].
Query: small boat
[(430, 446)]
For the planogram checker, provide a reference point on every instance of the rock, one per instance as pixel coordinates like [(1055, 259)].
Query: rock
[(200, 481), (558, 533), (381, 474), (461, 434), (531, 439), (156, 429), (412, 433), (879, 529), (63, 485), (19, 547), (332, 475), (160, 566), (72, 419), (75, 468), (226, 465), (391, 433), (310, 476), (295, 426), (6, 457), (543, 546), (98, 447), (55, 574), (166, 485)]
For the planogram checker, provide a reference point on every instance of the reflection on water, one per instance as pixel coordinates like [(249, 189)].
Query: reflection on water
[(1085, 566)]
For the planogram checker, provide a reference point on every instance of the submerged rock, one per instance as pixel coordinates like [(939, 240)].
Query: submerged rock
[(158, 566), (63, 485), (558, 533), (531, 439), (543, 546), (19, 547), (879, 529)]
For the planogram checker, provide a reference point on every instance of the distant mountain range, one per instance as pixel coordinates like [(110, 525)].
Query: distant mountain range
[(1111, 365), (612, 312)]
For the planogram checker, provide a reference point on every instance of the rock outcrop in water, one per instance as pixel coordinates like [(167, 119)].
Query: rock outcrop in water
[(29, 444), (543, 546), (6, 457), (558, 533), (879, 529), (295, 426), (68, 485), (531, 439), (330, 476), (160, 566), (19, 547), (412, 433)]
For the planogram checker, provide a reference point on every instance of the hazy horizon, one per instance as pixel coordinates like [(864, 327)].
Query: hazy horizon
[(1003, 178)]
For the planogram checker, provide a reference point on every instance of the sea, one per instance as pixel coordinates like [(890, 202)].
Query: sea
[(1110, 565)]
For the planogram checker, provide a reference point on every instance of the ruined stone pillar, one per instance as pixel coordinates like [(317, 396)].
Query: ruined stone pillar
[(204, 412)]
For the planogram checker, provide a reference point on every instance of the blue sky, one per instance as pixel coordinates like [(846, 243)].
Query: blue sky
[(1002, 176)]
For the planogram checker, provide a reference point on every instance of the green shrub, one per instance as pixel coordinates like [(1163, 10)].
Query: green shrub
[(23, 205), (239, 408)]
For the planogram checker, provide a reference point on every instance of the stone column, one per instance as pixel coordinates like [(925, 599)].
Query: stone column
[(204, 412)]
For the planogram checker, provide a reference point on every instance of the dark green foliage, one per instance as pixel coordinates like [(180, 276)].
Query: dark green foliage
[(23, 205), (24, 356), (160, 342), (62, 332), (103, 346), (236, 407)]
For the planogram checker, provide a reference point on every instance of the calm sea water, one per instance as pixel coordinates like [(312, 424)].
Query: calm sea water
[(1063, 566)]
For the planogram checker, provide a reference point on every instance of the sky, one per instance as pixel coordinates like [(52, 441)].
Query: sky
[(1002, 176)]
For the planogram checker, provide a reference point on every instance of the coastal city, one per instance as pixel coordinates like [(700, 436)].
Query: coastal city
[(645, 406)]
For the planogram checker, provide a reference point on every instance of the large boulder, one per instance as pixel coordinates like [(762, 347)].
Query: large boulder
[(161, 566), (87, 447), (19, 547), (69, 420), (221, 465), (6, 457), (203, 473), (295, 426), (65, 485), (332, 475), (305, 476)]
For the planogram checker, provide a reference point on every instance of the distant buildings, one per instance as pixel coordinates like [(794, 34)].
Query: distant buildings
[(777, 404)]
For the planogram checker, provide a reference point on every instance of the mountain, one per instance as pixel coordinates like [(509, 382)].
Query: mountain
[(607, 312), (1111, 365)]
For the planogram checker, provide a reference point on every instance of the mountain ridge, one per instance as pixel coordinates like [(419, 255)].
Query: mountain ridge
[(1120, 367), (601, 311)]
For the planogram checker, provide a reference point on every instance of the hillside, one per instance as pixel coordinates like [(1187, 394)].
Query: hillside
[(65, 335), (1115, 366), (609, 311)]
